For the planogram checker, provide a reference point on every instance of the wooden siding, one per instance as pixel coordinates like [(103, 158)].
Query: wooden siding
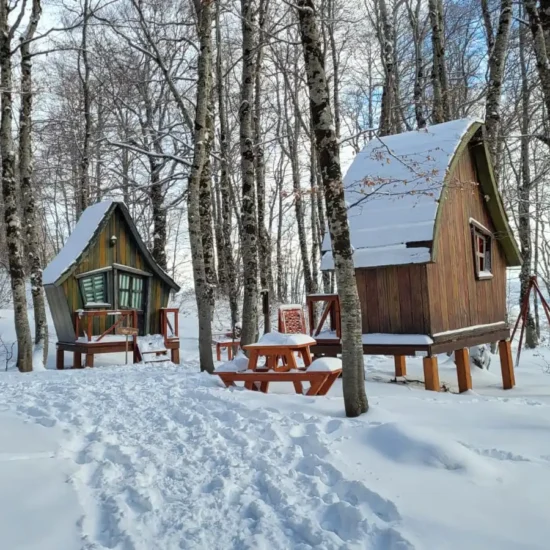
[(394, 299), (60, 313), (102, 254), (457, 298)]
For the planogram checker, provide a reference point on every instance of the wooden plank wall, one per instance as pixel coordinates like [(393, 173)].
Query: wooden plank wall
[(102, 254), (394, 299), (457, 298)]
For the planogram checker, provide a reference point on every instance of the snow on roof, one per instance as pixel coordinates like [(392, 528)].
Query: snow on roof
[(393, 189), (77, 242)]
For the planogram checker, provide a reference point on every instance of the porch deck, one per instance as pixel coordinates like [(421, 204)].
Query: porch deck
[(119, 338)]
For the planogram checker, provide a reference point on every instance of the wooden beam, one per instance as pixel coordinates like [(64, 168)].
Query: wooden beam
[(60, 359), (77, 360), (462, 359), (431, 373), (506, 365), (400, 365)]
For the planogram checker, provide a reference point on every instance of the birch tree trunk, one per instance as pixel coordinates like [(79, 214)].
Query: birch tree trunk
[(385, 33), (541, 39), (524, 197), (205, 199), (328, 150), (159, 213), (83, 195), (441, 111), (497, 62), (14, 237), (27, 190), (249, 221), (418, 39), (193, 209), (266, 275), (225, 184)]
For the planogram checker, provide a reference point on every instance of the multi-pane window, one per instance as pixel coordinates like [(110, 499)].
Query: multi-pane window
[(482, 252), (94, 290), (130, 291)]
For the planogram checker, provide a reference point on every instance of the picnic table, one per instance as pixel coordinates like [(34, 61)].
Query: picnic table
[(232, 346), (258, 378)]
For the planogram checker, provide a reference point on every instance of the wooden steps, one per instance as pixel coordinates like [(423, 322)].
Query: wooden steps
[(151, 349)]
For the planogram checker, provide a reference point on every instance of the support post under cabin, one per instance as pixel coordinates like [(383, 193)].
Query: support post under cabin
[(506, 364), (462, 359), (400, 365), (60, 359), (431, 373)]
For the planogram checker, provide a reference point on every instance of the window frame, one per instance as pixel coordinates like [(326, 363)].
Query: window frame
[(132, 292), (82, 277), (483, 261)]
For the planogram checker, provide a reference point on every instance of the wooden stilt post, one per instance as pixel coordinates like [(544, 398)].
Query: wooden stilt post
[(506, 365), (77, 360), (400, 365), (462, 358), (431, 373), (60, 359), (89, 359)]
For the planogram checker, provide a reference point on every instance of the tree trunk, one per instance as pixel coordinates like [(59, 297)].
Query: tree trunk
[(14, 237), (386, 32), (249, 221), (540, 47), (27, 190), (441, 111), (524, 199), (418, 38), (205, 199), (328, 150), (83, 195), (225, 184), (193, 209), (497, 62), (159, 213), (266, 276)]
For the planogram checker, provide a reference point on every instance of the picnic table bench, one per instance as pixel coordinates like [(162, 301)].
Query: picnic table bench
[(281, 366), (320, 381)]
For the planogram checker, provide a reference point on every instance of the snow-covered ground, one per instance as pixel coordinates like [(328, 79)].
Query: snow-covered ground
[(163, 457)]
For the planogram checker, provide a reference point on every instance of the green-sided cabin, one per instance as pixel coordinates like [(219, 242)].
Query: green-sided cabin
[(104, 285)]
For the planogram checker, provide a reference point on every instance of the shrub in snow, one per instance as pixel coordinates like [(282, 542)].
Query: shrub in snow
[(480, 356)]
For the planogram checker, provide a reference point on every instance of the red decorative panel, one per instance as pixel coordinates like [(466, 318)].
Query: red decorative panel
[(292, 320)]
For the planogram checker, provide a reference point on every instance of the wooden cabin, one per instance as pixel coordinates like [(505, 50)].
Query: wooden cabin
[(104, 285), (431, 244)]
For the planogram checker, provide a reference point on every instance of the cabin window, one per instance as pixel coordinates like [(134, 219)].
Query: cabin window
[(483, 247), (94, 290), (130, 291)]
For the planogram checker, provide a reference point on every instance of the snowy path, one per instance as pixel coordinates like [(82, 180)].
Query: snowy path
[(30, 465), (170, 459)]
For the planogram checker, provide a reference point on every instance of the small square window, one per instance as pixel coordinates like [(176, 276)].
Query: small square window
[(482, 244)]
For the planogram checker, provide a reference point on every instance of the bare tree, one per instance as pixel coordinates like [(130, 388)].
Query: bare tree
[(14, 237), (328, 150), (31, 222)]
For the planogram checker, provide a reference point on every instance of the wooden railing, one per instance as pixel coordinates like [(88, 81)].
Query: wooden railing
[(331, 311), (170, 329), (84, 320)]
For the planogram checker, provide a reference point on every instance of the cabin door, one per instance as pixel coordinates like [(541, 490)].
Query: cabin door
[(131, 295)]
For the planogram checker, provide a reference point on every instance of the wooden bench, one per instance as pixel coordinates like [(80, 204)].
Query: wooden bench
[(259, 380), (232, 347)]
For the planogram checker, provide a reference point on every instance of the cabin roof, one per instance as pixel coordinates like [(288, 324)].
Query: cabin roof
[(88, 227), (394, 188)]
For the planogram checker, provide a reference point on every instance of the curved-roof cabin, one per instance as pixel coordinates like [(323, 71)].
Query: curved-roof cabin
[(430, 236), (103, 271)]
